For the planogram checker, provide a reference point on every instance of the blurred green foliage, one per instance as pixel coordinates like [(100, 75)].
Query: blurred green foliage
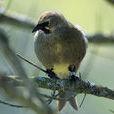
[(94, 16)]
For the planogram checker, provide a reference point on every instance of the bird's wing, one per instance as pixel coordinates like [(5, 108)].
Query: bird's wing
[(83, 32)]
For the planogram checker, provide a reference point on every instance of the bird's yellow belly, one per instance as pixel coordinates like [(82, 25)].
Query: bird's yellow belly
[(61, 70)]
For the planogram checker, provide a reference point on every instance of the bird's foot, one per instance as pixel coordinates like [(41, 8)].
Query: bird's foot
[(72, 77), (51, 73), (72, 69)]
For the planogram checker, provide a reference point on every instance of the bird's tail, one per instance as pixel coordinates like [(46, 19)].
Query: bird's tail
[(72, 101)]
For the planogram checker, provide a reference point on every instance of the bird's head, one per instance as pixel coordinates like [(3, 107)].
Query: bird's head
[(50, 21)]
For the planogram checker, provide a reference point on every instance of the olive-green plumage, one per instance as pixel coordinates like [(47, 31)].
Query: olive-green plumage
[(58, 44)]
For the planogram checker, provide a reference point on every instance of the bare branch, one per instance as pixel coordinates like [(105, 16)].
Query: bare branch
[(12, 105), (110, 1), (83, 100), (101, 38), (33, 64), (18, 68), (79, 86), (16, 20), (25, 22)]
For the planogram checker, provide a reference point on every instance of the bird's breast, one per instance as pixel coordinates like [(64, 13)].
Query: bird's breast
[(58, 54)]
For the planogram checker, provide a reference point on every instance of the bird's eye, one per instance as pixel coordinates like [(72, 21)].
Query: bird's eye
[(45, 24), (45, 27)]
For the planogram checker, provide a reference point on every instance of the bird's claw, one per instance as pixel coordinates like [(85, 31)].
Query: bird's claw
[(72, 78), (51, 73)]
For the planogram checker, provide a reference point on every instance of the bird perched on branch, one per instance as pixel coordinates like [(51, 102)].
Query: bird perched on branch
[(59, 45)]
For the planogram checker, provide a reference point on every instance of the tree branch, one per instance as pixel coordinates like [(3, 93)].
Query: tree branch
[(32, 91), (12, 105), (110, 2), (25, 22), (101, 38), (16, 20), (79, 86)]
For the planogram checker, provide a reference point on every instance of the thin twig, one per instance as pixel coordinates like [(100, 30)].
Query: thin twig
[(55, 97), (83, 100), (25, 22), (50, 72), (12, 105), (10, 55), (79, 86), (84, 94), (23, 58)]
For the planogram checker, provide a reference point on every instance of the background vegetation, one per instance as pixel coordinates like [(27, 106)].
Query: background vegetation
[(94, 16)]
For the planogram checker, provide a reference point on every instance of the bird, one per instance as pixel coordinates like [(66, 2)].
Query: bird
[(60, 46)]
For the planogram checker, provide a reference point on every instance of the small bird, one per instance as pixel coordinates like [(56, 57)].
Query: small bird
[(59, 44)]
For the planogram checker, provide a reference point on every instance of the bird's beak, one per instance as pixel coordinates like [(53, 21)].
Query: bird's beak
[(37, 27)]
